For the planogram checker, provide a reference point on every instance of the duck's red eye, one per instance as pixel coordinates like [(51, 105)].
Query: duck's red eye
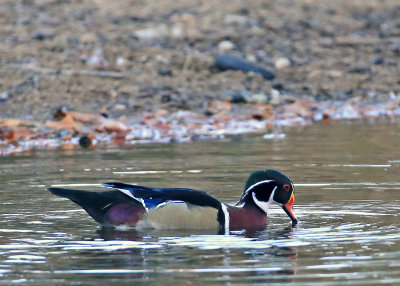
[(286, 187)]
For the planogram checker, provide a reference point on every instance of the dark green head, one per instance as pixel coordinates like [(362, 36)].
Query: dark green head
[(263, 175), (266, 186)]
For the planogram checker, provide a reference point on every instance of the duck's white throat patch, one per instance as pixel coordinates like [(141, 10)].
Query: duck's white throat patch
[(261, 204)]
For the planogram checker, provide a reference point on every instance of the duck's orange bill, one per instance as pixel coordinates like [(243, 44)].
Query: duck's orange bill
[(288, 208)]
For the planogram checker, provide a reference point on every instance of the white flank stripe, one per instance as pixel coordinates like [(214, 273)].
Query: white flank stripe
[(226, 215)]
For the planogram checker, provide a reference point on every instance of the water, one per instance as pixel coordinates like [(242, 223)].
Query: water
[(347, 200)]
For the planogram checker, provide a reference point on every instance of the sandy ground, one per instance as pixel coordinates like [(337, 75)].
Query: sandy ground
[(336, 50)]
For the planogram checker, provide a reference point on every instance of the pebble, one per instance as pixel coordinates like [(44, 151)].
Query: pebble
[(225, 46), (277, 85), (88, 38), (121, 62), (378, 61), (176, 32), (85, 141), (97, 60), (152, 33), (254, 98), (282, 63), (41, 35), (4, 96), (361, 69), (119, 107), (228, 62), (235, 19)]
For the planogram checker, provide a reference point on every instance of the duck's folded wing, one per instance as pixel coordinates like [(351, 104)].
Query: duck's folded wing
[(153, 197)]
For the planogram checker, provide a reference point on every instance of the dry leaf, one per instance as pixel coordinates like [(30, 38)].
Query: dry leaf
[(110, 125), (11, 123), (66, 123)]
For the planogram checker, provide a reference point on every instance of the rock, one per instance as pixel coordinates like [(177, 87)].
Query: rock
[(152, 33), (165, 72), (42, 35), (120, 62), (176, 32), (361, 69), (97, 60), (275, 97), (378, 61), (227, 62), (225, 46), (88, 38), (253, 98), (162, 59), (4, 96), (277, 85), (165, 98), (282, 63), (73, 40), (119, 107), (235, 19), (85, 141), (335, 74)]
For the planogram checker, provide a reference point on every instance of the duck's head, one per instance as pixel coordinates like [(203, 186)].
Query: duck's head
[(266, 186)]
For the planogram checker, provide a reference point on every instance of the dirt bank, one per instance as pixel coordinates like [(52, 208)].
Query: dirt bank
[(152, 59)]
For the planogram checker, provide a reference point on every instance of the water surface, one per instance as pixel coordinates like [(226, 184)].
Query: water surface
[(347, 200)]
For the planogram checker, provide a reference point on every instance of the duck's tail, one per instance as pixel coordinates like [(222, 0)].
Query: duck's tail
[(107, 208)]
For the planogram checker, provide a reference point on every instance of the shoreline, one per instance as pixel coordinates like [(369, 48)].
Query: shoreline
[(83, 130)]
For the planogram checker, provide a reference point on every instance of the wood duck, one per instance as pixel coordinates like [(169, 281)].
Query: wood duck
[(178, 208)]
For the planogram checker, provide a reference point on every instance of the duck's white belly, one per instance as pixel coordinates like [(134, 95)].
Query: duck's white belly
[(179, 216)]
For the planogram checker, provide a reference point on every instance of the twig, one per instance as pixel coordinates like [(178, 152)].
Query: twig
[(98, 73)]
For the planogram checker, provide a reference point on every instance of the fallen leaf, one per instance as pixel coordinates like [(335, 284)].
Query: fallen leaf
[(66, 123), (11, 123), (18, 134), (110, 125)]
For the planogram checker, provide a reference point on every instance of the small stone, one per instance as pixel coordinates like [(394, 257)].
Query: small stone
[(165, 98), (235, 19), (275, 97), (282, 63), (41, 35), (164, 72), (378, 61), (152, 33), (277, 85), (73, 40), (225, 46), (162, 59), (121, 62), (85, 141), (361, 69), (176, 32), (88, 38), (4, 95), (119, 107), (335, 74), (228, 62), (97, 60), (258, 98)]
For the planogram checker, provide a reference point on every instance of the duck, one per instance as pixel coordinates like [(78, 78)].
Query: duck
[(136, 206)]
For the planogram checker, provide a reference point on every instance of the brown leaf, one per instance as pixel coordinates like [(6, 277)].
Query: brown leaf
[(66, 123), (110, 125), (18, 134), (88, 118), (9, 123)]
